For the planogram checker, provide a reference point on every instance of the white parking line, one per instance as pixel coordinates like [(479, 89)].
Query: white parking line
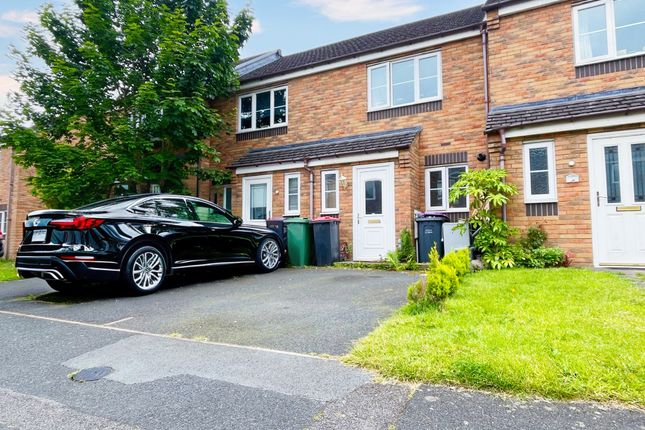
[(165, 336), (118, 321)]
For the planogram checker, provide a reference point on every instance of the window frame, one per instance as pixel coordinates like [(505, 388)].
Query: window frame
[(610, 26), (445, 189), (552, 197), (4, 222), (253, 96), (287, 177), (417, 81), (227, 201), (323, 192)]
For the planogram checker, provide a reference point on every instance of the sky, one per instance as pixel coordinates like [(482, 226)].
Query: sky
[(289, 25)]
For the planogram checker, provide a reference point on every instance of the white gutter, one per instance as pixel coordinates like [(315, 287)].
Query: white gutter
[(362, 59), (524, 6)]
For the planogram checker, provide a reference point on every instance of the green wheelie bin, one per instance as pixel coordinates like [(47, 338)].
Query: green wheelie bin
[(299, 241)]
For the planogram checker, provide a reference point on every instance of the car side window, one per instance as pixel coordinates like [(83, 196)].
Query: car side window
[(146, 208), (173, 208), (207, 213)]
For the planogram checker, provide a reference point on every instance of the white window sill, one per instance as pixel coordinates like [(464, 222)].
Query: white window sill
[(291, 214), (330, 212), (451, 210), (250, 130), (434, 99), (548, 200), (606, 59)]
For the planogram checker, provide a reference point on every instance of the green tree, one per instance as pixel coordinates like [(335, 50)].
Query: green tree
[(118, 90)]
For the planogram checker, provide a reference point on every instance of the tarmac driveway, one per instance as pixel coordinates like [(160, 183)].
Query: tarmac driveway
[(299, 310)]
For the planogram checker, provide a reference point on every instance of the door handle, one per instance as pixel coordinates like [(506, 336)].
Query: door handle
[(358, 219), (598, 197)]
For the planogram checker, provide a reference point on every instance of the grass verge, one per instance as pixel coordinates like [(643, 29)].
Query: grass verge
[(7, 270), (557, 333)]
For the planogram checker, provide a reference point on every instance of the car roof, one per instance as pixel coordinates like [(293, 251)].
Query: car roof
[(130, 200)]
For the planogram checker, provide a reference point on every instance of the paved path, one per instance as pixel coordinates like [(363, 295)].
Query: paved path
[(255, 352)]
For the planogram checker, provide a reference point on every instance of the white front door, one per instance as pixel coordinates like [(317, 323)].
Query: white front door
[(617, 185), (257, 199), (373, 198)]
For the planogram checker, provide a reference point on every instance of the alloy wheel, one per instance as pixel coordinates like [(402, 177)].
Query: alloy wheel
[(270, 254), (147, 270)]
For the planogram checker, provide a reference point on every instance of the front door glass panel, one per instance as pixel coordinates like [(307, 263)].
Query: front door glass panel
[(613, 174), (638, 169), (258, 201), (373, 197)]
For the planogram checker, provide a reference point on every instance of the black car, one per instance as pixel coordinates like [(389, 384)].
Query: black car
[(139, 240)]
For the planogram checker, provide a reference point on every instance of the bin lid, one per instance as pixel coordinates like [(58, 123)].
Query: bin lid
[(325, 219), (296, 221), (432, 216)]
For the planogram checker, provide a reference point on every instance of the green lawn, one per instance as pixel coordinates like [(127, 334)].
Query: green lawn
[(559, 333), (7, 270)]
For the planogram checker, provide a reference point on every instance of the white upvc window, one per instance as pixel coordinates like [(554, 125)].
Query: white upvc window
[(439, 182), (262, 109), (227, 197), (404, 82), (3, 222), (609, 29), (539, 172), (292, 194), (329, 192)]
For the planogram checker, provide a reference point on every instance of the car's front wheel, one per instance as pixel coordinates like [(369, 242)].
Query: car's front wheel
[(145, 270), (268, 255)]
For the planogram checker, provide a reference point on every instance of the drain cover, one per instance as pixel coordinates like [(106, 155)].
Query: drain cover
[(92, 374)]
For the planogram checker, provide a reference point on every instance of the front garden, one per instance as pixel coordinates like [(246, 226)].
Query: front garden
[(560, 333), (535, 328)]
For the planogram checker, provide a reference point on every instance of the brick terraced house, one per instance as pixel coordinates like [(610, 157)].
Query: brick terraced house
[(374, 128)]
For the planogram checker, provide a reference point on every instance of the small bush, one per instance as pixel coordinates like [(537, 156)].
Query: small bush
[(441, 282), (417, 292), (458, 260), (535, 238), (549, 257), (407, 253), (433, 259)]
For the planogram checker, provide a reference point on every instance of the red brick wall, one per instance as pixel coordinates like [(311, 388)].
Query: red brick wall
[(532, 58), (334, 104)]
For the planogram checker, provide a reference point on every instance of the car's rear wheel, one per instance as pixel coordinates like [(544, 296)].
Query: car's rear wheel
[(268, 255), (145, 270), (63, 287)]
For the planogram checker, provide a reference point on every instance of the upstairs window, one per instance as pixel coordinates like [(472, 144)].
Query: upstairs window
[(404, 82), (264, 109), (609, 29)]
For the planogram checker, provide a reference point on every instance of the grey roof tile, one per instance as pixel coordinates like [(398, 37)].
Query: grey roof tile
[(574, 107), (429, 28), (326, 148)]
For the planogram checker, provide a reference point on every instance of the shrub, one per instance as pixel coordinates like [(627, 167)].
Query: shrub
[(549, 257), (441, 282), (407, 250), (417, 292), (487, 191), (404, 258), (534, 238), (458, 260), (433, 259)]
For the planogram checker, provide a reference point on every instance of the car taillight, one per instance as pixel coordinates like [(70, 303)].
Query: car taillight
[(78, 223)]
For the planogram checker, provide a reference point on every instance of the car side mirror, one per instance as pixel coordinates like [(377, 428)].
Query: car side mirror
[(237, 222)]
